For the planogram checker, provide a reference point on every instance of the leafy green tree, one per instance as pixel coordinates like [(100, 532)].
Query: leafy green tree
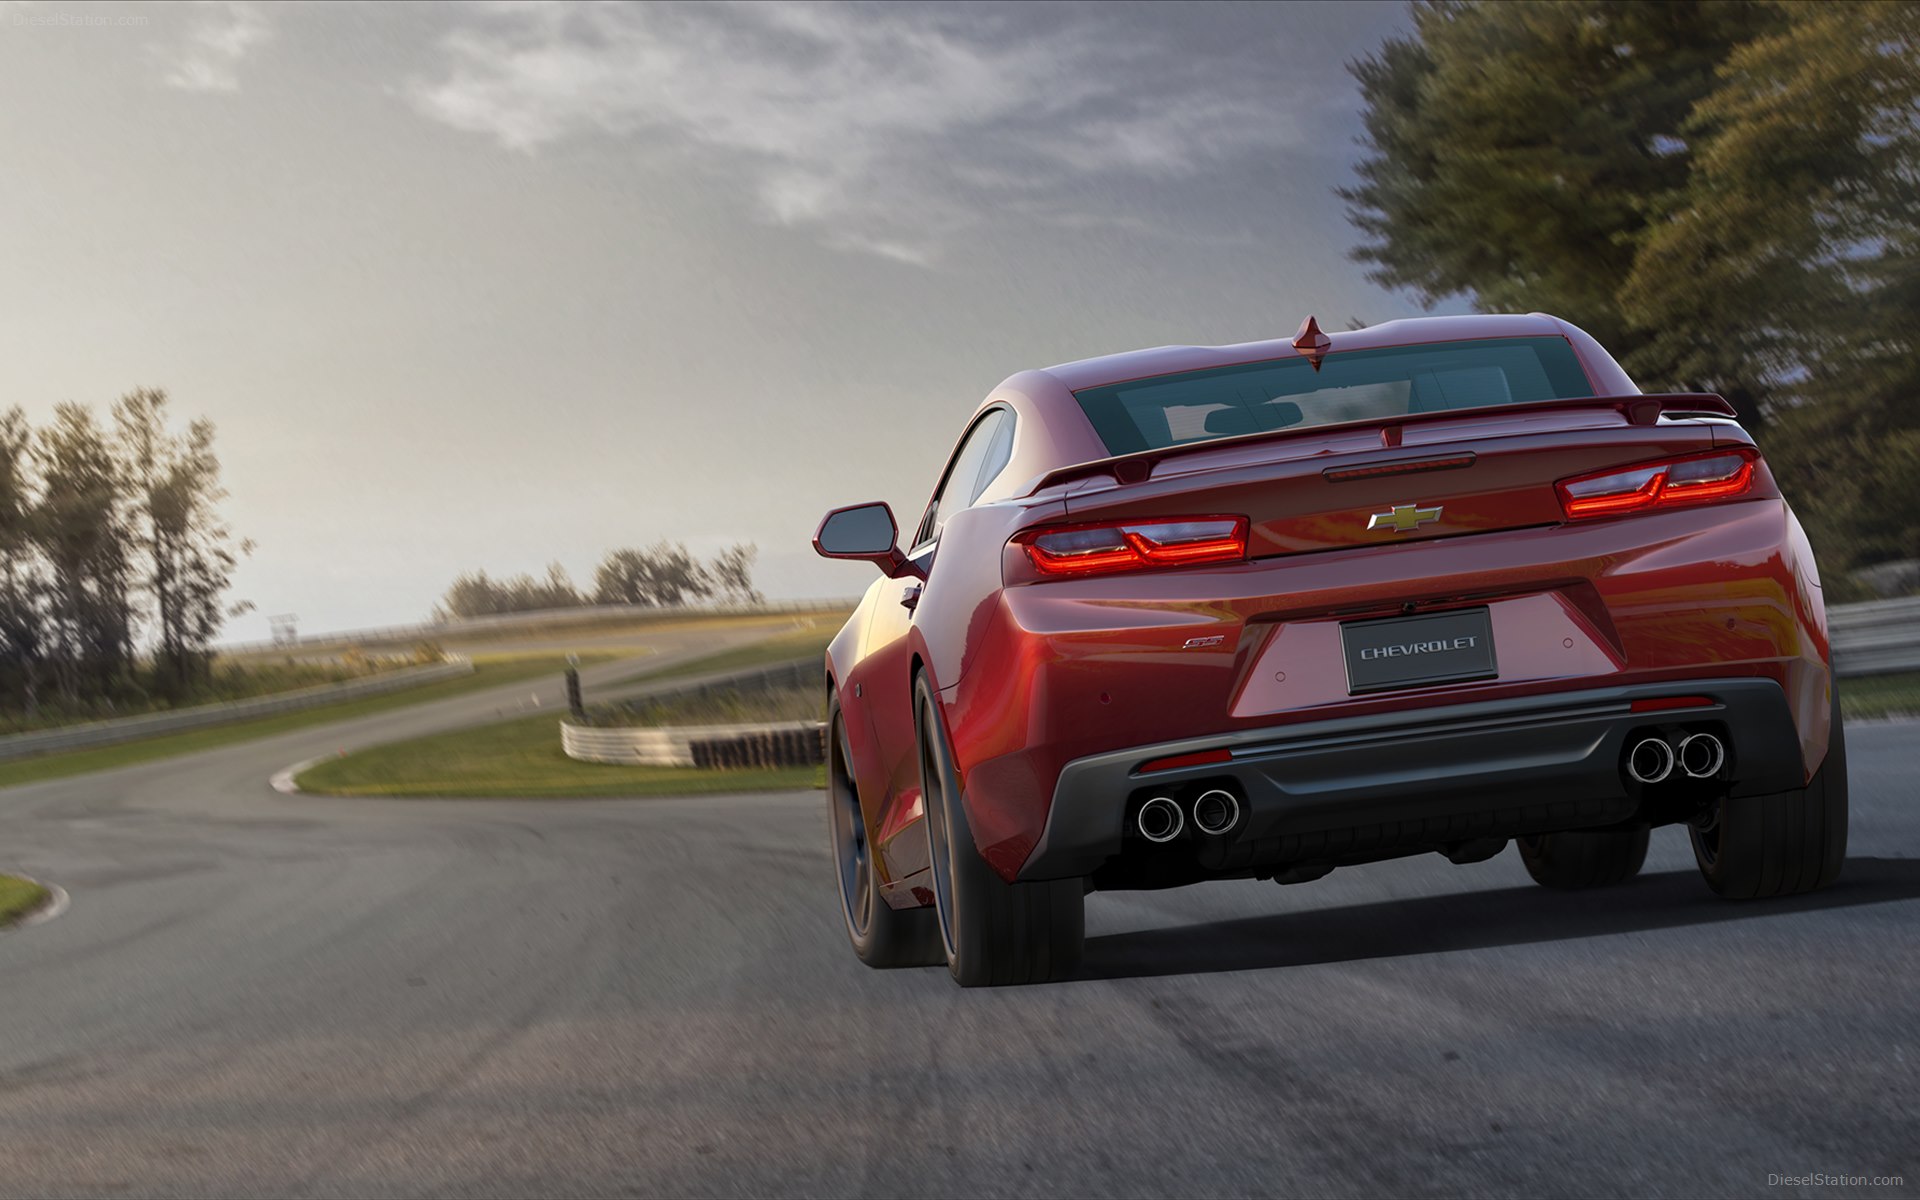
[(107, 536), (1726, 194), (1518, 153), (1794, 256)]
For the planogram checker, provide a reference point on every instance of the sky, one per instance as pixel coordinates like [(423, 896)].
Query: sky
[(489, 286)]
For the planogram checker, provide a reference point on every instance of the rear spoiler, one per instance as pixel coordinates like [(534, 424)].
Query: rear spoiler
[(1637, 409)]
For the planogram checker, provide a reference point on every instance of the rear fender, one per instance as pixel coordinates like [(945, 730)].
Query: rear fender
[(957, 606), (1812, 691), (955, 642)]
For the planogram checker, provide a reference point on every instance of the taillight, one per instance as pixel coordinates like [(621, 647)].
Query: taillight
[(1135, 545), (1695, 479)]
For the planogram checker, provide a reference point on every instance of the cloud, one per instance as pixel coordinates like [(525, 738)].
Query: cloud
[(218, 40), (885, 130)]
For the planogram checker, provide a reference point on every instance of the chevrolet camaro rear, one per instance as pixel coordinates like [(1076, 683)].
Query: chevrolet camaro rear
[(1266, 611)]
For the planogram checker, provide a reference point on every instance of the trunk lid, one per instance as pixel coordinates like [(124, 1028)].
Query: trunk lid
[(1360, 485)]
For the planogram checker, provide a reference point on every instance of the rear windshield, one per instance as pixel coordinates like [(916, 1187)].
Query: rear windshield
[(1173, 410)]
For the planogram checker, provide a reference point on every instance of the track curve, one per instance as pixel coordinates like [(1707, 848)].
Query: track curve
[(257, 993)]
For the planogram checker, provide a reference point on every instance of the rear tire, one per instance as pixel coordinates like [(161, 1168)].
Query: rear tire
[(1577, 859), (1783, 844), (993, 932), (882, 936)]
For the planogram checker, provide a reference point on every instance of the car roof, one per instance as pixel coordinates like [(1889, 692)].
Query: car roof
[(1166, 360), (1060, 433)]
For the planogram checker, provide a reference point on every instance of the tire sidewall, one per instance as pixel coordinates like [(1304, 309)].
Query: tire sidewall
[(950, 902), (1748, 853), (836, 735)]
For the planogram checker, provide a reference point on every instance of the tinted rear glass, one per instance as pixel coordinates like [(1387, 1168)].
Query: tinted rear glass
[(1196, 406)]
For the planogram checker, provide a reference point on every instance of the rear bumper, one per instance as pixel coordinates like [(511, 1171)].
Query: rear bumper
[(1371, 786)]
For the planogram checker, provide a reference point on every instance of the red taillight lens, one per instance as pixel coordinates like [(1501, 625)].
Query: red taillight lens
[(1135, 545), (1199, 758), (1696, 479), (1668, 703)]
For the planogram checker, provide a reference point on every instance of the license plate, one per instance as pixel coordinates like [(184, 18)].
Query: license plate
[(1404, 652)]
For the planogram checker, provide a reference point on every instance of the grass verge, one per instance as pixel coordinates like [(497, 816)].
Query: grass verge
[(18, 897), (640, 626), (228, 682), (1881, 695), (487, 673), (785, 647), (523, 757), (534, 637)]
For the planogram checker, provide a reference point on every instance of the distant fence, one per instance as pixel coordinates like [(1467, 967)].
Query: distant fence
[(584, 614), (130, 729), (1879, 637)]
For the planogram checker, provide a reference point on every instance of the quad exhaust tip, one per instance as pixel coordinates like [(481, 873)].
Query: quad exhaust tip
[(1160, 820), (1650, 760), (1215, 811), (1702, 755)]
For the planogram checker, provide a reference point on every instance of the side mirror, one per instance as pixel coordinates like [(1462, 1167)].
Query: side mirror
[(865, 533)]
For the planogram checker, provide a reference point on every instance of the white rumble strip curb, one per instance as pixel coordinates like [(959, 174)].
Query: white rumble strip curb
[(283, 779)]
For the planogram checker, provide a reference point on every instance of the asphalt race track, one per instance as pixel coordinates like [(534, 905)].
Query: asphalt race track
[(255, 993)]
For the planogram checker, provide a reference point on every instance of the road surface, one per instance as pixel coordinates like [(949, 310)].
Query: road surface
[(255, 993)]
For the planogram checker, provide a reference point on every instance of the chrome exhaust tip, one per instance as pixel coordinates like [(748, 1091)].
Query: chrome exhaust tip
[(1215, 811), (1160, 820), (1650, 760), (1702, 755)]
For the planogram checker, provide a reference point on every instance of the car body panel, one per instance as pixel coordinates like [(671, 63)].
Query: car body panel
[(1091, 665), (1034, 676)]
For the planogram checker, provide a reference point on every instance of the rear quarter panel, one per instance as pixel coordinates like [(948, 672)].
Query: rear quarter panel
[(1087, 666)]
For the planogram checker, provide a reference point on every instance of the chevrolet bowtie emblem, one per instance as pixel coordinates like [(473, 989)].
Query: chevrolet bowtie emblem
[(1404, 518)]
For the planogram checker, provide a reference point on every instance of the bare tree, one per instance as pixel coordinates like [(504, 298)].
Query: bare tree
[(80, 526), (173, 483), (477, 594), (20, 587), (662, 575), (732, 573)]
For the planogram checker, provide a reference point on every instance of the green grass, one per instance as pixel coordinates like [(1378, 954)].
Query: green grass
[(228, 681), (640, 623), (18, 897), (787, 647), (1881, 695), (487, 673), (521, 757)]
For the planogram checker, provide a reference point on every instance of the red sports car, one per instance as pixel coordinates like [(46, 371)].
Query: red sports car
[(1262, 611)]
